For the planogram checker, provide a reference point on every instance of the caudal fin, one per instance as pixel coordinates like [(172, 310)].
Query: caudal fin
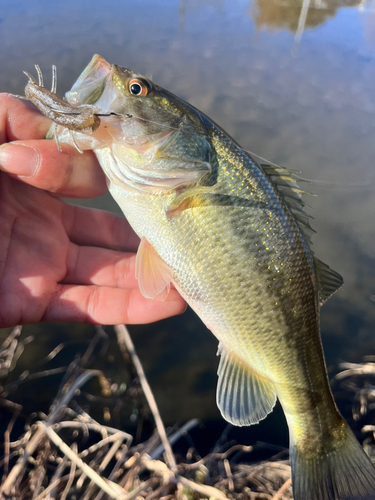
[(345, 473)]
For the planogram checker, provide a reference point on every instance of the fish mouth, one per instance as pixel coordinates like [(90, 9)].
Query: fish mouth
[(96, 86), (91, 83)]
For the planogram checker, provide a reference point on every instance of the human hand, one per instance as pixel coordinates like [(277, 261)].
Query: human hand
[(60, 262)]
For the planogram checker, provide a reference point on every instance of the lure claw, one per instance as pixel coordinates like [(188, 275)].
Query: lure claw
[(40, 75), (54, 79), (30, 77)]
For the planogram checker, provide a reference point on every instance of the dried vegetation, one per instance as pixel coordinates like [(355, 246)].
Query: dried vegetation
[(66, 454)]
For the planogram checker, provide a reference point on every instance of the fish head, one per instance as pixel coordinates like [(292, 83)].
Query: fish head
[(157, 141), (114, 89)]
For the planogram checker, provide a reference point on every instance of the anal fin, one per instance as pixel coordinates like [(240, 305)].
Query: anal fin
[(153, 274), (243, 396)]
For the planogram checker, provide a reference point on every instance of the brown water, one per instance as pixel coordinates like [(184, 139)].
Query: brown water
[(292, 82)]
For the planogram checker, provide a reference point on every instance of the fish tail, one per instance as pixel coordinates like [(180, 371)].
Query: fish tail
[(344, 473)]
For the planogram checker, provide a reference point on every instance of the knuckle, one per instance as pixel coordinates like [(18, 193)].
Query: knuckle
[(122, 272), (55, 171), (127, 305), (93, 304)]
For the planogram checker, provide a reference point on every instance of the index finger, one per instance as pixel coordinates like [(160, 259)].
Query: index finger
[(37, 162), (20, 120)]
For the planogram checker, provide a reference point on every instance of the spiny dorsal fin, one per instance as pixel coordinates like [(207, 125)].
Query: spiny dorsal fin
[(243, 396), (329, 281), (285, 181)]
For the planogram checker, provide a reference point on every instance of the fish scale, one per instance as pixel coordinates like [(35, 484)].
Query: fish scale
[(234, 239)]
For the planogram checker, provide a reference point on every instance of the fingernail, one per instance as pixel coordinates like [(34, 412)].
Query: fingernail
[(18, 159)]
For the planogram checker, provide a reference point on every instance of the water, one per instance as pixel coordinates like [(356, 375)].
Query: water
[(292, 82)]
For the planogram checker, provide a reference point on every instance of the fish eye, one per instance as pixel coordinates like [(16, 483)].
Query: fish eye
[(138, 87)]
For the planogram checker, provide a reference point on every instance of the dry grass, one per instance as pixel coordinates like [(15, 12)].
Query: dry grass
[(66, 454)]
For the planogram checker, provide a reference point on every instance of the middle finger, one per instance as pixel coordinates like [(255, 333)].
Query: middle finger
[(99, 266)]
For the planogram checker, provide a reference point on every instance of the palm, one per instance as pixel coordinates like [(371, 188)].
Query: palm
[(34, 252), (58, 261)]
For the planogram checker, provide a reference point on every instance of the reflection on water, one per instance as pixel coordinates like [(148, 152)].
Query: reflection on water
[(295, 15), (190, 6), (313, 111)]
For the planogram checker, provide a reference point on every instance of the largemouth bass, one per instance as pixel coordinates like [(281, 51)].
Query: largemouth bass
[(234, 239)]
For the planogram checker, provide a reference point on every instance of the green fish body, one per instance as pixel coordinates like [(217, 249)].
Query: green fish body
[(233, 238)]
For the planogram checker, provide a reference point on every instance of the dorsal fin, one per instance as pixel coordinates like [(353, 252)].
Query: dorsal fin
[(286, 183), (329, 281)]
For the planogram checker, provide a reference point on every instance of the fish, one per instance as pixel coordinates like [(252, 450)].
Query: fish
[(234, 238)]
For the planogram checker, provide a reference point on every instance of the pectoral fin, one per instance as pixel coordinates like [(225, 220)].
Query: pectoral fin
[(153, 274), (206, 196), (190, 198), (243, 396)]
